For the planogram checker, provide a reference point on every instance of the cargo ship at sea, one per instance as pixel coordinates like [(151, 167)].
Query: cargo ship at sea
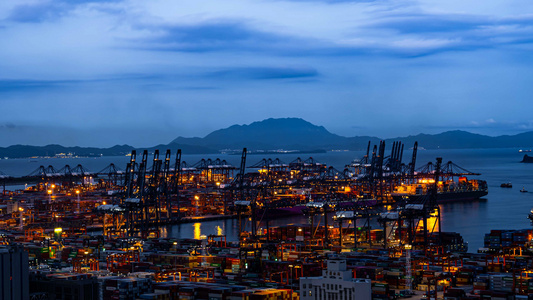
[(451, 184), (447, 191)]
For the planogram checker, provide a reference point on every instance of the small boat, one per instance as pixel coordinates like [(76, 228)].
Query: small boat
[(520, 151), (523, 190), (506, 185)]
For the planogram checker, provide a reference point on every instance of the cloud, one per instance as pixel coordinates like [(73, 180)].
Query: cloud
[(26, 85), (260, 73), (433, 33), (10, 85), (393, 33), (8, 125), (48, 10), (429, 23), (335, 1), (36, 13), (346, 28), (216, 35)]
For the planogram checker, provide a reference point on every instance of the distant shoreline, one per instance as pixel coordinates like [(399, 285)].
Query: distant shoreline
[(280, 152)]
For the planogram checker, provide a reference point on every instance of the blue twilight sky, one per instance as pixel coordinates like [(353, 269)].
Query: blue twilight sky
[(100, 73)]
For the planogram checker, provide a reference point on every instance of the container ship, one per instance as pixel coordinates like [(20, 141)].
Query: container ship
[(447, 191)]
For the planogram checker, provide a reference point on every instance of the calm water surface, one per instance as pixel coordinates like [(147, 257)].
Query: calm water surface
[(501, 209)]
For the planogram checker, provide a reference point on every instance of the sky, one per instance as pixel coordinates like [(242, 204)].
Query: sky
[(137, 72)]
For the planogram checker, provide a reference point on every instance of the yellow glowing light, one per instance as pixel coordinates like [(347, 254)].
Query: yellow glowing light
[(53, 186), (196, 197), (104, 203), (197, 230), (77, 191), (218, 183), (49, 191), (58, 230), (21, 209)]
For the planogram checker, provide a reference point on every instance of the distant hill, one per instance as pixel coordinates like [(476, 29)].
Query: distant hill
[(22, 151), (287, 134), (298, 134), (459, 139)]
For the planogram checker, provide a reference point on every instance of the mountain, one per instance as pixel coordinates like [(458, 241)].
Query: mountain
[(270, 134), (298, 134), (458, 139), (287, 134)]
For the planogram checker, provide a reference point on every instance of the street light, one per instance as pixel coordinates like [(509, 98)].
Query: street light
[(58, 231), (78, 193), (21, 220)]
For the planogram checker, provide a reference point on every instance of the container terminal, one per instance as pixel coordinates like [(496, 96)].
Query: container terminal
[(77, 234)]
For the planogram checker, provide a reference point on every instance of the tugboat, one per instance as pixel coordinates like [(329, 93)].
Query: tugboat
[(506, 185), (523, 190)]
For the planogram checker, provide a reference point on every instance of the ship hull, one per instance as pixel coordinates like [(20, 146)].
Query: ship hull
[(279, 212), (448, 197), (298, 210)]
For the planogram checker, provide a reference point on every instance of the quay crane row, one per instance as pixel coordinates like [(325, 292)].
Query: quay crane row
[(154, 195)]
